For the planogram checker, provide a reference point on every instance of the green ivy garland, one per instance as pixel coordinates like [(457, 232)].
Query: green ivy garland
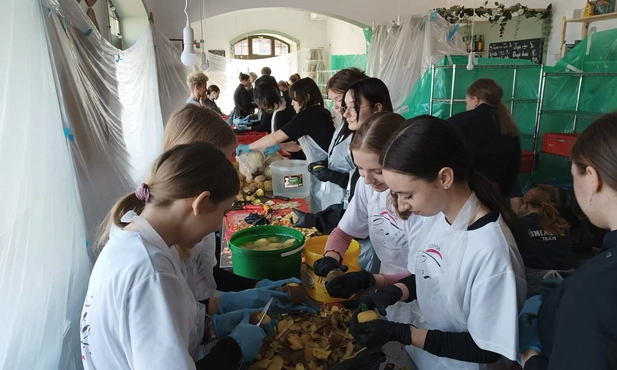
[(500, 15)]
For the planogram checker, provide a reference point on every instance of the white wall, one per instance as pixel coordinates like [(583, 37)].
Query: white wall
[(560, 8), (100, 10), (344, 38), (221, 29), (169, 16), (132, 29)]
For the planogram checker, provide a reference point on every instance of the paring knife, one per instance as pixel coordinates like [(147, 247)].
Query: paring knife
[(265, 311)]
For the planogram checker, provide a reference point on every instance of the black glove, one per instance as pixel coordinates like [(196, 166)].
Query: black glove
[(381, 299), (324, 174), (349, 284), (323, 266), (317, 165), (376, 333), (369, 359), (306, 220)]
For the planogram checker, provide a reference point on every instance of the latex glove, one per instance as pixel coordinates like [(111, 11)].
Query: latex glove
[(528, 337), (324, 265), (376, 333), (249, 337), (241, 128), (324, 174), (306, 220), (242, 148), (269, 284), (244, 120), (317, 165), (225, 323), (547, 286), (349, 284), (307, 306), (381, 299), (250, 298), (272, 149)]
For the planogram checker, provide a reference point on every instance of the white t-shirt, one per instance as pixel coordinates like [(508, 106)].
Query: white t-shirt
[(139, 312), (371, 214), (491, 289), (199, 268)]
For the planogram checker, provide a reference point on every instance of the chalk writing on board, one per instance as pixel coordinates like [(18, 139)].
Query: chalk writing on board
[(530, 49)]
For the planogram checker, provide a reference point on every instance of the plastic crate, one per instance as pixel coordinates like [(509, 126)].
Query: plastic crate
[(527, 161), (559, 144)]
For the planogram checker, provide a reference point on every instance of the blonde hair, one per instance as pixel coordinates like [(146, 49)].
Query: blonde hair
[(488, 90), (181, 172), (197, 123), (196, 79)]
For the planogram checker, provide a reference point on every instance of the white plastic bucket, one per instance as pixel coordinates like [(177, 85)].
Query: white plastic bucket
[(290, 178)]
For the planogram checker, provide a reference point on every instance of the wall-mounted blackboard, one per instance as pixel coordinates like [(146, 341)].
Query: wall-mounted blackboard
[(530, 49)]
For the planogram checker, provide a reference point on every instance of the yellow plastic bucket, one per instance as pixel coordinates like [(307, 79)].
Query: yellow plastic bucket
[(313, 250)]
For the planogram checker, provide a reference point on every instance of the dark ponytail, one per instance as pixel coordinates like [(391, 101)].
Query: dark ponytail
[(425, 144)]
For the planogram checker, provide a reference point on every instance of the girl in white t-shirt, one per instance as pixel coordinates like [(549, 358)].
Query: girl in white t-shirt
[(469, 279), (371, 214), (139, 312)]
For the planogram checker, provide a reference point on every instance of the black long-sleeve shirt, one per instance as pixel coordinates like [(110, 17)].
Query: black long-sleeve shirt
[(212, 105), (243, 101), (494, 155), (225, 355), (576, 323), (328, 219)]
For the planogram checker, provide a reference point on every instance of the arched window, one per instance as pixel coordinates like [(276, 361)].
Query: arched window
[(259, 47)]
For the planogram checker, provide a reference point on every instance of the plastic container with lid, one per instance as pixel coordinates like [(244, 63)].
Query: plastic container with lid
[(290, 178)]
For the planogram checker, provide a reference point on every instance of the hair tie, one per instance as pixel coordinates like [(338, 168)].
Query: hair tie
[(143, 192)]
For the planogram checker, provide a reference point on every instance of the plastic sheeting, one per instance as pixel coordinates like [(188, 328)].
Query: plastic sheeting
[(111, 107), (348, 61), (44, 266), (224, 72), (399, 55)]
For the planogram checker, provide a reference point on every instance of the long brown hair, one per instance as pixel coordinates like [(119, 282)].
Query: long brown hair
[(597, 147), (181, 172), (550, 220), (488, 90), (342, 79), (424, 145), (375, 133), (306, 93), (197, 123)]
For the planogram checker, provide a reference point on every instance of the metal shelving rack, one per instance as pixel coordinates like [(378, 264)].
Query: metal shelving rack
[(512, 100), (576, 113)]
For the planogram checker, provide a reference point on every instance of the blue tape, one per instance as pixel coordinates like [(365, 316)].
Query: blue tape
[(118, 58), (434, 15), (88, 32), (67, 133), (453, 32), (87, 243)]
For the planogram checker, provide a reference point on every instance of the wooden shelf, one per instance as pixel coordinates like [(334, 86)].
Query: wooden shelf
[(593, 18)]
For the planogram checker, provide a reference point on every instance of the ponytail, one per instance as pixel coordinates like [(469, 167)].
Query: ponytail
[(506, 121), (551, 221), (127, 203), (488, 194)]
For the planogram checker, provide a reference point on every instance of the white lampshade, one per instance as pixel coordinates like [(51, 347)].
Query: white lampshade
[(188, 57)]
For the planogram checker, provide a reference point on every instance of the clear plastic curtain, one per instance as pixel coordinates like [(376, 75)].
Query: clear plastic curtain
[(111, 107), (173, 90), (44, 266), (399, 54), (224, 72)]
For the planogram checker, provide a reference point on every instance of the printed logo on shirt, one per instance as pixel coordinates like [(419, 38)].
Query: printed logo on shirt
[(545, 235), (387, 225), (430, 259), (85, 330)]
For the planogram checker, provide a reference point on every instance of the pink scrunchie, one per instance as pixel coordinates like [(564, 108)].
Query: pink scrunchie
[(143, 193)]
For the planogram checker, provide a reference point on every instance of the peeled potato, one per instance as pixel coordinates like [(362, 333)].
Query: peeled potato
[(367, 316), (334, 274), (256, 316)]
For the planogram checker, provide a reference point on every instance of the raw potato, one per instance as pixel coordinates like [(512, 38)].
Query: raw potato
[(297, 292), (268, 185), (250, 189), (260, 178), (367, 316), (256, 316), (334, 274), (260, 192), (277, 363)]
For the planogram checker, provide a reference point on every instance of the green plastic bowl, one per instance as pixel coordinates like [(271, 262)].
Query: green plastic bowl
[(274, 265)]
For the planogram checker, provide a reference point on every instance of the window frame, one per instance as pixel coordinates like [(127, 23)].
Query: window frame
[(252, 56)]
